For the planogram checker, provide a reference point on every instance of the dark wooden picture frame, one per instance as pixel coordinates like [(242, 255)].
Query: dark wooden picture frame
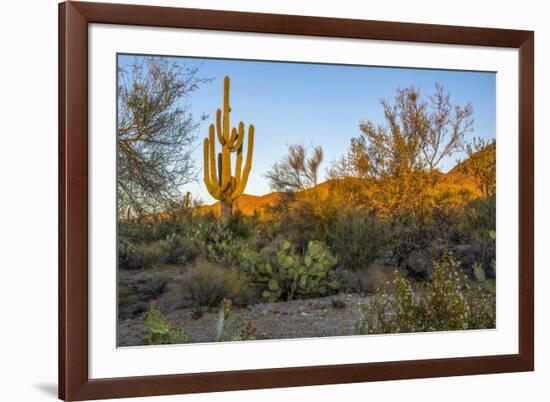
[(74, 382)]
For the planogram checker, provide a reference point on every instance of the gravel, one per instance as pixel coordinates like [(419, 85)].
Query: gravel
[(328, 316)]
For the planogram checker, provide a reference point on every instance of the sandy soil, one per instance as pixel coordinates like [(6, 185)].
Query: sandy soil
[(296, 319)]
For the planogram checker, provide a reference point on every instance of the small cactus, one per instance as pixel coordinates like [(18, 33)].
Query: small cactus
[(187, 200), (487, 283), (162, 332), (229, 328)]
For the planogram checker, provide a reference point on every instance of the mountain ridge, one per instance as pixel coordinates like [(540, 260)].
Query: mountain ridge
[(248, 204)]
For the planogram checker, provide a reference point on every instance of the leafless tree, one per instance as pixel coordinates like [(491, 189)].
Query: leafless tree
[(296, 171), (356, 163), (447, 125), (155, 132)]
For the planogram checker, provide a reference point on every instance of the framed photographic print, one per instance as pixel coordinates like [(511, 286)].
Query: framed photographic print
[(259, 200)]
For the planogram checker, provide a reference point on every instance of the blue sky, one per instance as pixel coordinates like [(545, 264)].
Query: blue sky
[(318, 104)]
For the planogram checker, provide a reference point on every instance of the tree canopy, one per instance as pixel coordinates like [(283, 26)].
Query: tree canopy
[(417, 135)]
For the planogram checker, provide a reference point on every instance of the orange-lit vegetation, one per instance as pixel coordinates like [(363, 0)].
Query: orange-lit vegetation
[(385, 207)]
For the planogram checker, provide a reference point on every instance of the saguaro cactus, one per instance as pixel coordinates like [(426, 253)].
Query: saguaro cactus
[(221, 184)]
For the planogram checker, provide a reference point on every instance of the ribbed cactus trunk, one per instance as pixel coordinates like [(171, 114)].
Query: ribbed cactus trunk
[(219, 181), (226, 209)]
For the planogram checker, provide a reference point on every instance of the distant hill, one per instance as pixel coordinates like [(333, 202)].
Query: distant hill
[(462, 166), (247, 203)]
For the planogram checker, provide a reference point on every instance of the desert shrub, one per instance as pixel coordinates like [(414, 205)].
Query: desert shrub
[(296, 219), (224, 242), (289, 274), (364, 281), (304, 224), (242, 226), (167, 227), (136, 248), (228, 252), (129, 303), (161, 331), (338, 304), (136, 232), (448, 225), (414, 246), (206, 284), (174, 249), (129, 258), (480, 221), (142, 255), (179, 249), (150, 231), (230, 328), (480, 214), (137, 288), (357, 239), (448, 302)]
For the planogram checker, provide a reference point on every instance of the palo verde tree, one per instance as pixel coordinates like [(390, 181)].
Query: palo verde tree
[(219, 181), (403, 153), (417, 136), (155, 134)]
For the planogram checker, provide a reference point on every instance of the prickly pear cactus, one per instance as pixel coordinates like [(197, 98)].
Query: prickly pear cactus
[(229, 328), (290, 275), (488, 284), (162, 332)]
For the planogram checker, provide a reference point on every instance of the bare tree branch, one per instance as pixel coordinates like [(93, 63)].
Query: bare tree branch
[(155, 132), (296, 172)]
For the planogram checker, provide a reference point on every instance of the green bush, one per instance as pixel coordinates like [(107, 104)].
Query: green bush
[(357, 239), (242, 226), (480, 214), (128, 256), (178, 249), (161, 331), (142, 255), (447, 302), (296, 219), (414, 246), (206, 284), (223, 242), (480, 221), (364, 281), (174, 249), (290, 275), (150, 231)]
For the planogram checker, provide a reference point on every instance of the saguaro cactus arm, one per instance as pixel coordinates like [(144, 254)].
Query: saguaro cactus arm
[(237, 138), (219, 128), (210, 177), (243, 177)]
